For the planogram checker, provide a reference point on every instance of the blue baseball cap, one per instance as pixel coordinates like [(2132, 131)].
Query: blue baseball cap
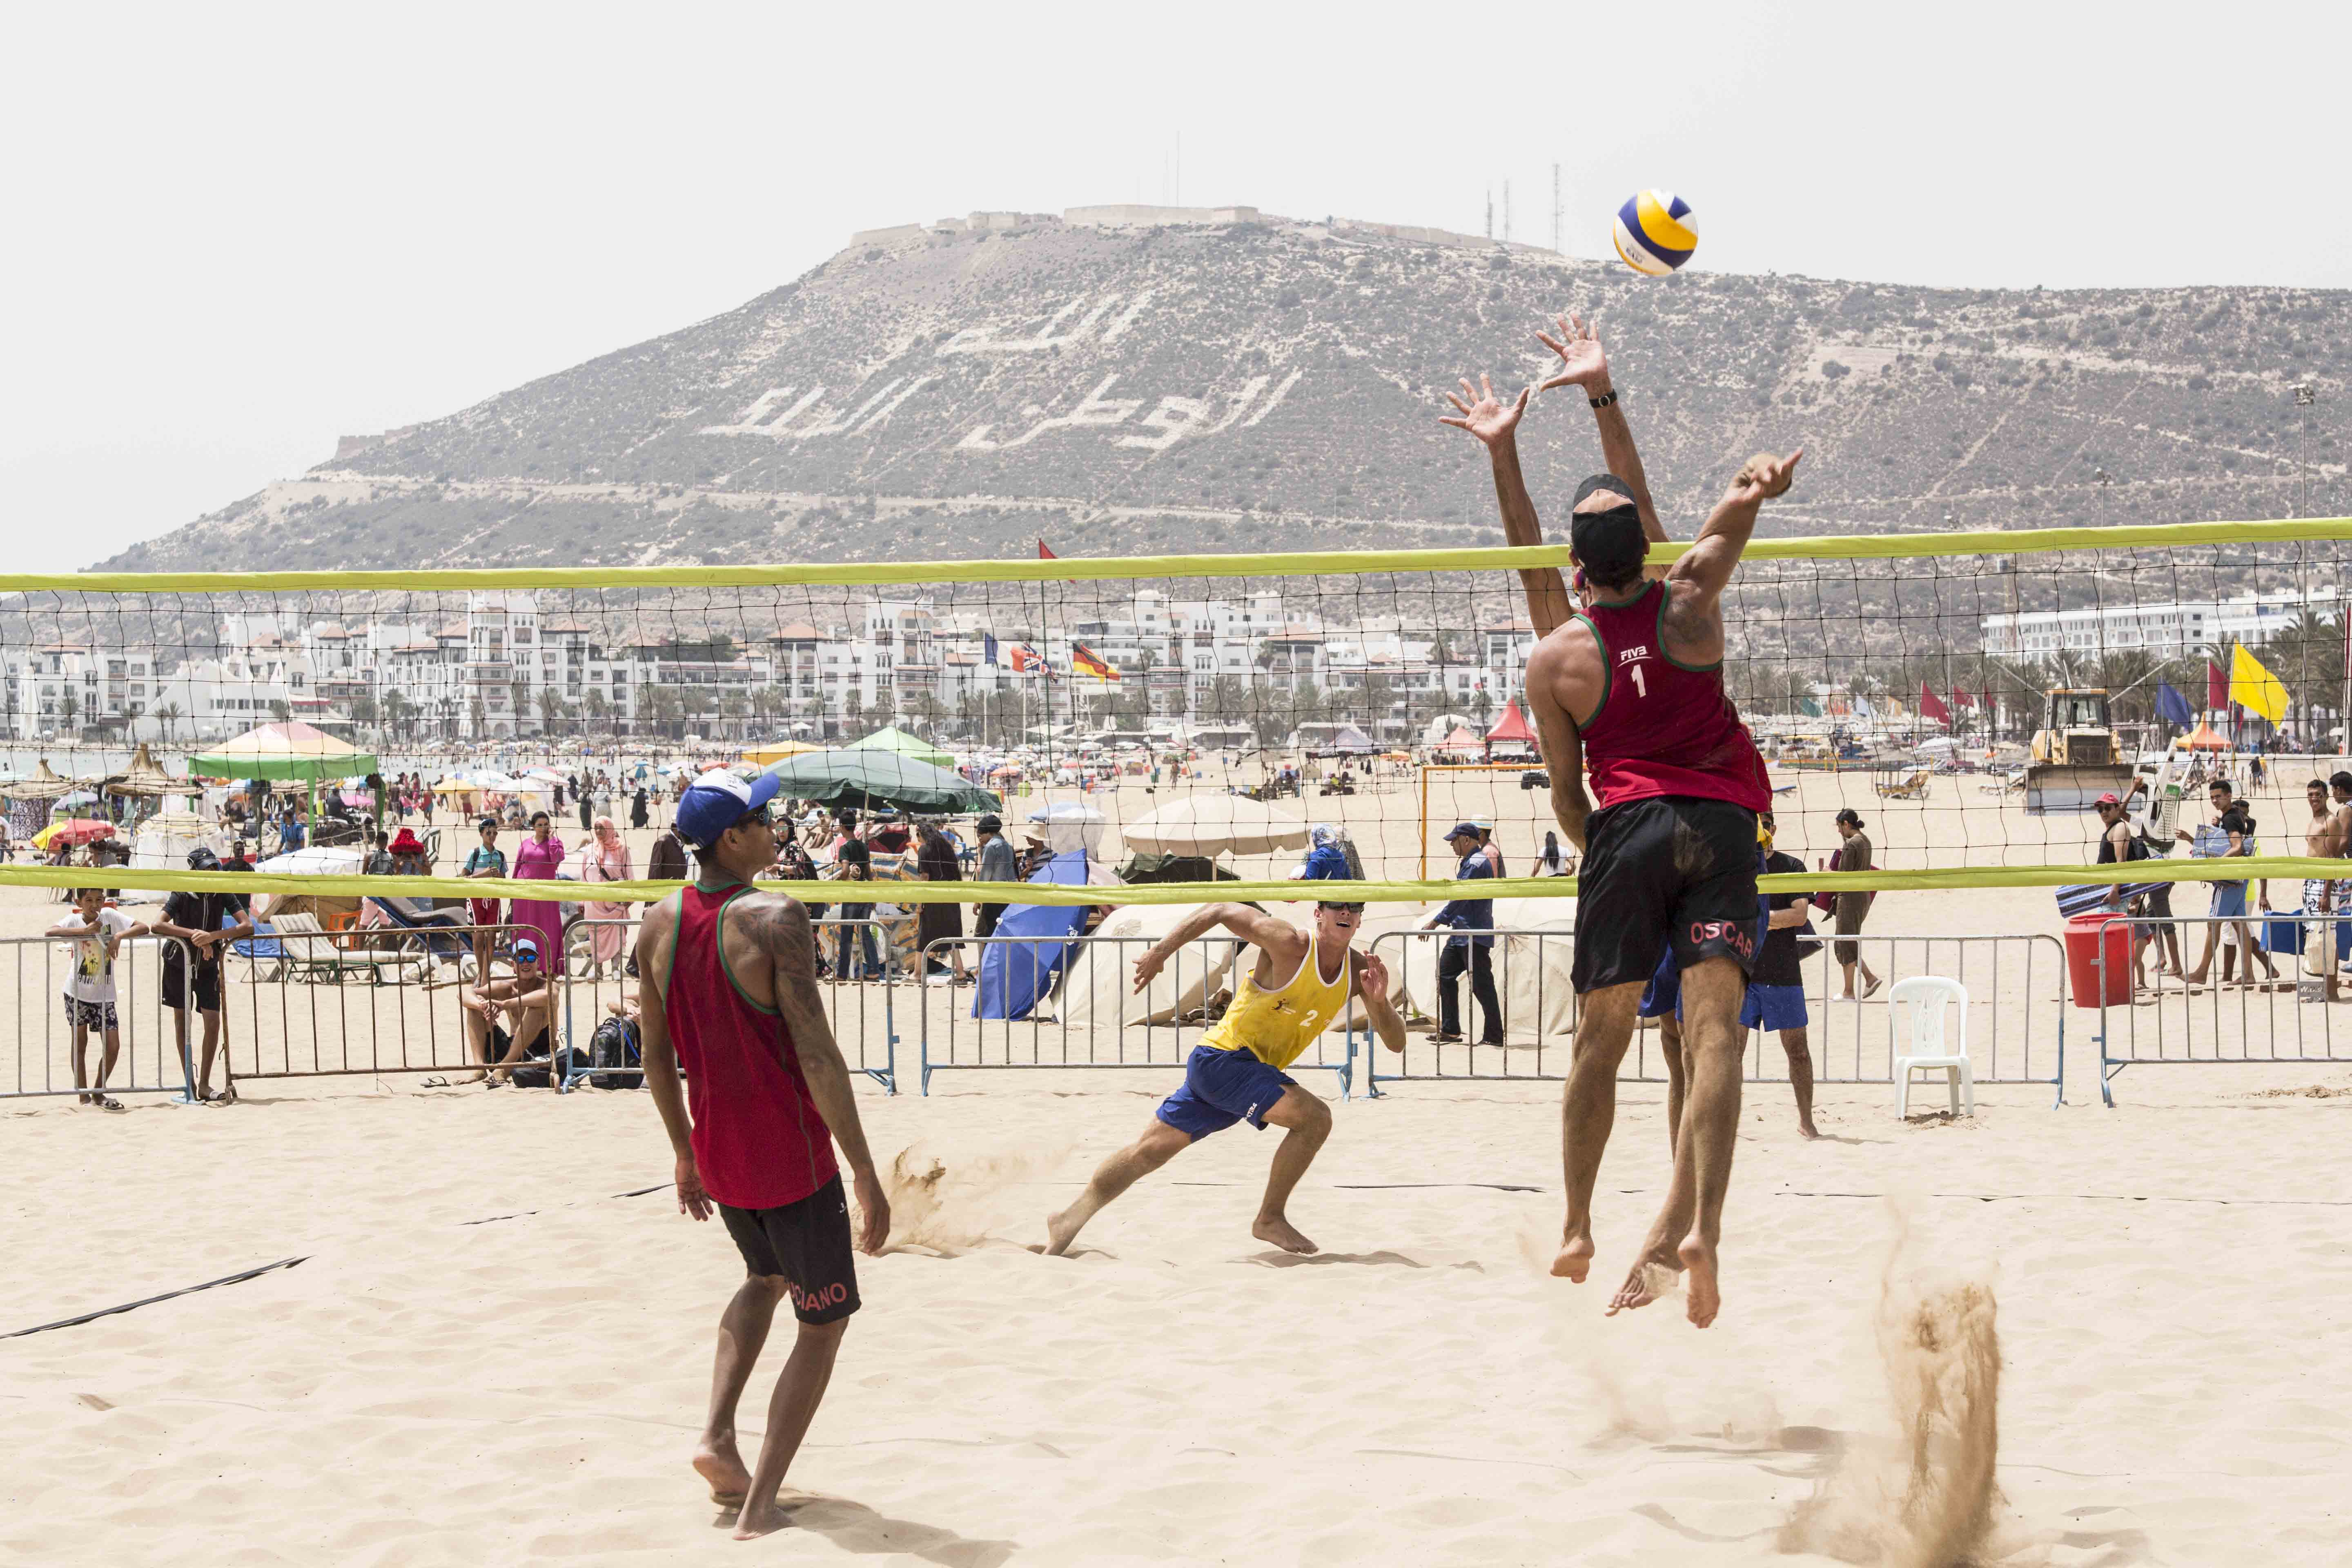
[(717, 801), (1463, 830)]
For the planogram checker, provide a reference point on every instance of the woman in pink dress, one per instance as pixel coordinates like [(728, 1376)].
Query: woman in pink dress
[(607, 859), (537, 861)]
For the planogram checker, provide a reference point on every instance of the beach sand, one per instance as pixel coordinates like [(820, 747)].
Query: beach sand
[(490, 1353)]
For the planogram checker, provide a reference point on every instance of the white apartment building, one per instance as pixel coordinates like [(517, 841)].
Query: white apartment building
[(2181, 628)]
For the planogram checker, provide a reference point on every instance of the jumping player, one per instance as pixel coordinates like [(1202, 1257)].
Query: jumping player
[(1297, 984), (1633, 688), (734, 999)]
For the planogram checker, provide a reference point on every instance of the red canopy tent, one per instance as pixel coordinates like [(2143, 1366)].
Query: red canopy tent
[(1512, 728)]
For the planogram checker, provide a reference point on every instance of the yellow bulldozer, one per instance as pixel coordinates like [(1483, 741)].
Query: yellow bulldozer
[(2073, 759)]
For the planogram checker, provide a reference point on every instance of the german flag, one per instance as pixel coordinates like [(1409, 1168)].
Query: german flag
[(1086, 662)]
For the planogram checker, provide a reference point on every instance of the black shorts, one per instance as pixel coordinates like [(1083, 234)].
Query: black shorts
[(808, 1244), (207, 985), (1671, 870)]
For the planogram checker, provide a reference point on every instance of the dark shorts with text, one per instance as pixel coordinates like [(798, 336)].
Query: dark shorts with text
[(1668, 871), (808, 1244)]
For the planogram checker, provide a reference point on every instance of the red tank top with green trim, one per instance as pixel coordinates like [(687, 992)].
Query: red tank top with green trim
[(759, 1141), (1663, 728)]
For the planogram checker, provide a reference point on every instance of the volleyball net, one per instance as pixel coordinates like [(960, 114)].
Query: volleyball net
[(1189, 722)]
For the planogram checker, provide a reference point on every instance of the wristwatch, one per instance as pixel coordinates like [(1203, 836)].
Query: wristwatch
[(1604, 400)]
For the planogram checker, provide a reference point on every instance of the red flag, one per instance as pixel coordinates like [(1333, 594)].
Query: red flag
[(1044, 554), (2217, 686), (1932, 706), (1963, 698)]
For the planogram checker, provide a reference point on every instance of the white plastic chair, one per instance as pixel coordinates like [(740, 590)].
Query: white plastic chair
[(1928, 1050)]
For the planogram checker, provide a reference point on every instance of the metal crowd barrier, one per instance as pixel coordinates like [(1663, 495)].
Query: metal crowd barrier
[(2017, 1030), (1087, 1014), (151, 1060), (361, 1002), (863, 1012), (2284, 1017)]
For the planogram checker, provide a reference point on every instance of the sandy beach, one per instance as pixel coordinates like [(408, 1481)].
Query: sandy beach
[(497, 1346)]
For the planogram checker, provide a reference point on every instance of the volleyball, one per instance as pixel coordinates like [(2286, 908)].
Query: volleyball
[(1655, 232)]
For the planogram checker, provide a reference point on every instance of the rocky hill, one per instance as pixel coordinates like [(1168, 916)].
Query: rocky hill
[(1269, 383)]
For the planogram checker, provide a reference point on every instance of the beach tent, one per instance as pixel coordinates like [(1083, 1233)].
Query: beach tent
[(1351, 741), (1015, 978), (878, 776), (1512, 729), (2203, 739), (165, 838), (1532, 974), (1099, 988), (893, 739), (1461, 744), (763, 755), (1070, 825), (292, 749), (1213, 824)]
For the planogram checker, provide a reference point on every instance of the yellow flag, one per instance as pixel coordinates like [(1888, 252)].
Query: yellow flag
[(2254, 689)]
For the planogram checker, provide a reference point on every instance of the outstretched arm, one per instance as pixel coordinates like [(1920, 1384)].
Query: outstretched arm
[(1707, 565), (792, 948), (1497, 424), (1582, 363), (1252, 925)]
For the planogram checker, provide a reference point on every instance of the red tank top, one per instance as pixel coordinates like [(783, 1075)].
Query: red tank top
[(758, 1142), (1663, 728)]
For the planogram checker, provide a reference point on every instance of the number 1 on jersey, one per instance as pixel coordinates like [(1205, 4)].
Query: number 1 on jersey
[(1641, 687)]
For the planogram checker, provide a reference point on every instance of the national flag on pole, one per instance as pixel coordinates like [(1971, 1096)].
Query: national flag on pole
[(1025, 657), (1985, 697), (1963, 698), (1083, 660), (1932, 706), (2172, 707), (2254, 689), (987, 648), (2217, 686)]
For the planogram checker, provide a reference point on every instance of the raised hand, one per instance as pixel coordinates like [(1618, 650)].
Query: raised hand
[(1373, 982), (1583, 362), (1764, 476), (1484, 415)]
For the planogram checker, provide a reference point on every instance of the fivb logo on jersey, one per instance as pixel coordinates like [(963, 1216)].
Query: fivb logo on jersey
[(1628, 656)]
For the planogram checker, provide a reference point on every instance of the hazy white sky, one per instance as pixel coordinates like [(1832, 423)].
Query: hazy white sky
[(235, 232)]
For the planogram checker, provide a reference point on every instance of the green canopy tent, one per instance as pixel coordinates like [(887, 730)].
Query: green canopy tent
[(880, 777), (894, 739), (290, 751)]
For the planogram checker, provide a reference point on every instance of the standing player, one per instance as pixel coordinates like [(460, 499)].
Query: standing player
[(1634, 686), (733, 973), (1297, 984)]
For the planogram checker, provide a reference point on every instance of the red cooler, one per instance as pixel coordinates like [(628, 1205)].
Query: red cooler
[(2085, 936)]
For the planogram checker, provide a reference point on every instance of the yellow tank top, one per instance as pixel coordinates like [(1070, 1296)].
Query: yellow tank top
[(1276, 1026)]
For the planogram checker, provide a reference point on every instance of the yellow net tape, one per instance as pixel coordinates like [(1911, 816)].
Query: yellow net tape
[(1299, 563), (2279, 867)]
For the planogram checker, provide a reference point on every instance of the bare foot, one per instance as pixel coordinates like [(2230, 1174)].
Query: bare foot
[(1652, 1278), (1060, 1231), (1699, 1285), (1282, 1234), (1805, 1128), (763, 1518), (1573, 1260), (720, 1464)]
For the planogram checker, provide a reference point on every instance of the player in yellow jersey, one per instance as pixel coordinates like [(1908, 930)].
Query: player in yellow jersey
[(1298, 982)]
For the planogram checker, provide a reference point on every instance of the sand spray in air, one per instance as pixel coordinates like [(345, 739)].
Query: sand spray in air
[(1926, 1495), (948, 1201)]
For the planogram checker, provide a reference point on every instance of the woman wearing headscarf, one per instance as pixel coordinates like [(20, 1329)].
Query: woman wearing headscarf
[(605, 859), (638, 815), (537, 861), (935, 861)]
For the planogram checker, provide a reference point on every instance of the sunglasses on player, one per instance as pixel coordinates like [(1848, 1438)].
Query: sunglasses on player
[(1343, 909)]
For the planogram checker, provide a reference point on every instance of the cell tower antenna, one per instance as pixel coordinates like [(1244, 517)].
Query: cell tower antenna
[(1555, 209), (1507, 212), (1490, 211)]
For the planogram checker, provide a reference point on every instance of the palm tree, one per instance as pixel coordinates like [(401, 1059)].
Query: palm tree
[(167, 715), (280, 710), (478, 707), (552, 709), (598, 706)]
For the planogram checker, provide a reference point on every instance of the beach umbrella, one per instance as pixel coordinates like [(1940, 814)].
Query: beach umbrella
[(43, 783), (1212, 824), (893, 739), (74, 830), (877, 777), (318, 861)]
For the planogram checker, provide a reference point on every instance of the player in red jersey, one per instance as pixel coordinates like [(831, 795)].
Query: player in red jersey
[(1632, 687), (733, 997)]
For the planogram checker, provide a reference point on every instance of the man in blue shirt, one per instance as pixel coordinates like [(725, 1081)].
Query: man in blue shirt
[(1475, 954)]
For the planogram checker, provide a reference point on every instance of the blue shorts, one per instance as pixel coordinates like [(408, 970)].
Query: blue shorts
[(1774, 1008), (1663, 994), (1222, 1088), (2229, 899)]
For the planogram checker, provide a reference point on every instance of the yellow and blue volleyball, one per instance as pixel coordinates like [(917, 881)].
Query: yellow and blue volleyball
[(1655, 233)]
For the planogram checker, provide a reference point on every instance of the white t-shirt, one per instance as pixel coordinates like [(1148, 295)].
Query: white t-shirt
[(92, 979)]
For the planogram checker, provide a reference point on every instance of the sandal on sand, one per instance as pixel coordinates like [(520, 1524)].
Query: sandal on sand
[(106, 1102), (1872, 989), (436, 1082)]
